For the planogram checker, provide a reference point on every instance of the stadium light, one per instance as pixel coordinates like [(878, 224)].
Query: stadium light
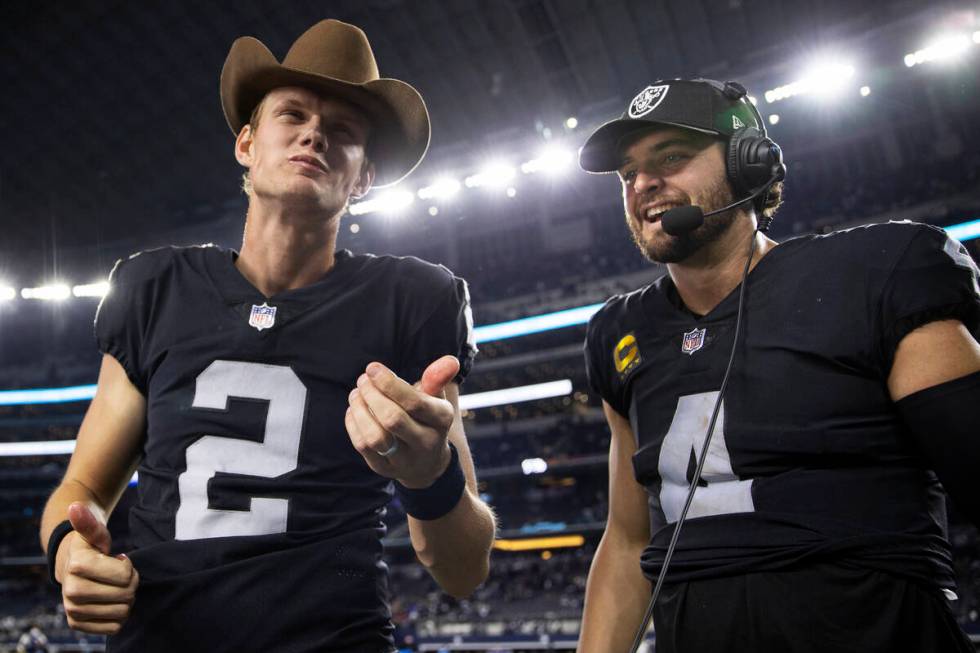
[(824, 79), (944, 48), (537, 543), (494, 175), (571, 122), (53, 292), (46, 395), (865, 91), (91, 290), (964, 230), (87, 392), (7, 293), (774, 119), (516, 394), (442, 188), (46, 448), (469, 401), (535, 324), (552, 160), (534, 466), (976, 37), (391, 201)]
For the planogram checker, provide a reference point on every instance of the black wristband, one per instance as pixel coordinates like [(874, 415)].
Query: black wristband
[(439, 498), (54, 541)]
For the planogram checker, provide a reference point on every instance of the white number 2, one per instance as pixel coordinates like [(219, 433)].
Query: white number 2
[(724, 493), (277, 454)]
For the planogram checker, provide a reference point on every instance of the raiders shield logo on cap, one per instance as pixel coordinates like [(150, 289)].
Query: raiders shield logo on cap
[(262, 317), (647, 100)]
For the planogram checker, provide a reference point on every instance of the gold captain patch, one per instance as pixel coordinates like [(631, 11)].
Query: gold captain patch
[(626, 354)]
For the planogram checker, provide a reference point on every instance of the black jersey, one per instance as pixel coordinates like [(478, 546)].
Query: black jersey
[(808, 459), (258, 525)]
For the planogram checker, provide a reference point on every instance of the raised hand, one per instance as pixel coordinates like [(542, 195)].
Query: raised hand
[(98, 589), (402, 430)]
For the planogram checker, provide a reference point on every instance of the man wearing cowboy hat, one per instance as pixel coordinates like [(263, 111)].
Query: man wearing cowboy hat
[(265, 397)]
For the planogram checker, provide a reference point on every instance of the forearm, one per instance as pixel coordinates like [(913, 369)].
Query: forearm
[(455, 548), (107, 450), (616, 597)]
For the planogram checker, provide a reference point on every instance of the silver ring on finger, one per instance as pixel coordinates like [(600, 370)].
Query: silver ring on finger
[(392, 449)]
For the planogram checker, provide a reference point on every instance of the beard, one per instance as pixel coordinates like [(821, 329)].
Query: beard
[(664, 248)]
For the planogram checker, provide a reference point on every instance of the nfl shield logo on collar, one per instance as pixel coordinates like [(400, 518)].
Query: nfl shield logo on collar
[(693, 341), (262, 317), (647, 100)]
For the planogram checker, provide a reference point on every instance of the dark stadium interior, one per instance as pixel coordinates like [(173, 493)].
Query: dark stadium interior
[(114, 142)]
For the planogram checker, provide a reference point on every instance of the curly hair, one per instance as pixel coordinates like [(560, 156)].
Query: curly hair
[(773, 200)]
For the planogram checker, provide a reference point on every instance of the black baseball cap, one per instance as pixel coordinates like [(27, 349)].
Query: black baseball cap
[(704, 105)]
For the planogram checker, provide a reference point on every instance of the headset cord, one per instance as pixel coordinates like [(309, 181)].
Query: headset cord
[(641, 632)]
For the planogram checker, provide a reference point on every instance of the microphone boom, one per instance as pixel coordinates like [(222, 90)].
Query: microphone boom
[(682, 220), (685, 219)]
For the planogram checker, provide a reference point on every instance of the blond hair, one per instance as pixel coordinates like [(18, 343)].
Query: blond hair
[(253, 124)]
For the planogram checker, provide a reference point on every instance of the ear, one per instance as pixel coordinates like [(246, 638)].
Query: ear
[(364, 181), (243, 146)]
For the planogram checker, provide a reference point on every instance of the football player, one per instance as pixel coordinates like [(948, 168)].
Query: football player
[(818, 523), (266, 397)]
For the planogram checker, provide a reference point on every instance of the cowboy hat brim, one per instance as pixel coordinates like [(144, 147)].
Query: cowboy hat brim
[(397, 112)]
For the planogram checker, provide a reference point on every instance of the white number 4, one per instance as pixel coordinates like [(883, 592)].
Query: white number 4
[(724, 493), (277, 454)]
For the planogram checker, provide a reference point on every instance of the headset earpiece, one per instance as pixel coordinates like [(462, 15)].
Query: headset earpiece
[(753, 159)]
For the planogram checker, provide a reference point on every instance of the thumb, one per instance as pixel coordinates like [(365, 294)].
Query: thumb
[(438, 375), (85, 523)]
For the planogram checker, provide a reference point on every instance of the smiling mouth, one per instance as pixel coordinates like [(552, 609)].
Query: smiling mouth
[(653, 215)]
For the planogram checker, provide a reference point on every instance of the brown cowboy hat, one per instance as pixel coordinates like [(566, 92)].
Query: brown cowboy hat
[(334, 58)]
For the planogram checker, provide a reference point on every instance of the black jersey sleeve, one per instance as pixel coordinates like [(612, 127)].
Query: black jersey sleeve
[(446, 328), (933, 279), (600, 367), (124, 316)]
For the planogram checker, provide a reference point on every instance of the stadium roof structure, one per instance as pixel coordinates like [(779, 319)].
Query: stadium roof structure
[(112, 125)]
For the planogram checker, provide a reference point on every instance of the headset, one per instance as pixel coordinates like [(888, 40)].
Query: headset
[(753, 163), (753, 160)]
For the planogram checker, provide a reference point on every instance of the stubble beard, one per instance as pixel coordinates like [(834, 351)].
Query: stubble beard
[(664, 248)]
